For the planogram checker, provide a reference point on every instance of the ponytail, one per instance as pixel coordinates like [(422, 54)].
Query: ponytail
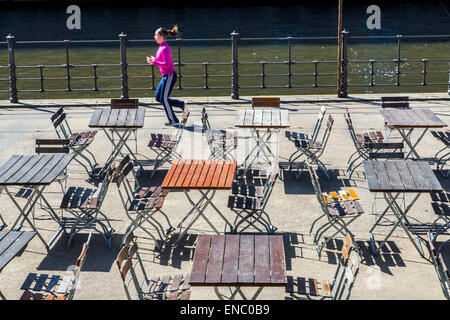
[(169, 33)]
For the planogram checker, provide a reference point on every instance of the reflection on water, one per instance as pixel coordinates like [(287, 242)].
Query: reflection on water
[(101, 23)]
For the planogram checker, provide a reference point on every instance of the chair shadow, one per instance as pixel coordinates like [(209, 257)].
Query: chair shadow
[(389, 256), (99, 257)]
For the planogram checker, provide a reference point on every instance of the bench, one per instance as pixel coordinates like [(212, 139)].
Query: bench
[(265, 102), (395, 102)]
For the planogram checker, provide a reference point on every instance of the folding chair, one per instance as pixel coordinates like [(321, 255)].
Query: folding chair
[(249, 202), (441, 160), (360, 141), (84, 205), (126, 104), (439, 263), (55, 287), (142, 204), (165, 145), (222, 143), (312, 149), (341, 285), (79, 141), (340, 208), (393, 102), (133, 274), (293, 135)]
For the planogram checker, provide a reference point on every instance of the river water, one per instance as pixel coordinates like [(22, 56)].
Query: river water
[(106, 23)]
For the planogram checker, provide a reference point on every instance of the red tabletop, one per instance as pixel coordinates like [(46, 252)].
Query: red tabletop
[(200, 174), (239, 260)]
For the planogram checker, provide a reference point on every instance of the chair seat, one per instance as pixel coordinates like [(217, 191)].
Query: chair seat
[(221, 139), (78, 139), (369, 137), (162, 141), (344, 208), (148, 198), (167, 288), (247, 189), (244, 203)]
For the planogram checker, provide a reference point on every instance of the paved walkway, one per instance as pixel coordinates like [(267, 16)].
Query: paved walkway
[(399, 273)]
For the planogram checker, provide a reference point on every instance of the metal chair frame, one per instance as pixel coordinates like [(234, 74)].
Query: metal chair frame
[(63, 130), (142, 204), (312, 150), (165, 145), (222, 143)]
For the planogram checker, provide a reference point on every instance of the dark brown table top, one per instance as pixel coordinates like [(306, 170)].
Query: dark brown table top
[(33, 169), (239, 260), (400, 176), (117, 118), (11, 243), (411, 118), (200, 174), (262, 118)]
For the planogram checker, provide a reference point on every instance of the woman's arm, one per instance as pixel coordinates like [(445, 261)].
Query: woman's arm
[(161, 58)]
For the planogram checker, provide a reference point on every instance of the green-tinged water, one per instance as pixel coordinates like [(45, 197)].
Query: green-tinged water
[(206, 23)]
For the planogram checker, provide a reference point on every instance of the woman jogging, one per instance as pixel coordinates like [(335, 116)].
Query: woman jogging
[(163, 60)]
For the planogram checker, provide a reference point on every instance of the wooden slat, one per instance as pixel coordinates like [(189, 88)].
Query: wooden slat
[(112, 119), (278, 267), (246, 259), (432, 119), (212, 170), (284, 118), (191, 172), (216, 256), (262, 259), (430, 176), (257, 118), (204, 173), (29, 167), (267, 117), (131, 117), (371, 176), (240, 116), (95, 117), (248, 118), (217, 174), (394, 176), (200, 259), (103, 121), (28, 281), (56, 170), (176, 282), (176, 174), (383, 178), (418, 177), (276, 117), (405, 175), (15, 247), (170, 173), (197, 173), (40, 281), (230, 174), (224, 174), (14, 168), (140, 117), (183, 173), (231, 259), (122, 118)]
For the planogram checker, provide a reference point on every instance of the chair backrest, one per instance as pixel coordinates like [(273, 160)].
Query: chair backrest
[(265, 102), (320, 117), (327, 131), (385, 150), (78, 268), (272, 178), (59, 121), (316, 185), (395, 102), (124, 103), (124, 186), (127, 268), (52, 146)]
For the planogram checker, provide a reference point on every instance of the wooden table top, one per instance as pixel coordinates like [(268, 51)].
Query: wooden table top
[(11, 243), (411, 118), (33, 169), (262, 118), (400, 176), (117, 118), (200, 174), (239, 260)]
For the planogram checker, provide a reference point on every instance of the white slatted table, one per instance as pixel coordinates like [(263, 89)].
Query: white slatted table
[(262, 123)]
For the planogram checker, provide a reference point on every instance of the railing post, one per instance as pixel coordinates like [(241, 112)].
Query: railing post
[(234, 65), (343, 85), (123, 66), (12, 70)]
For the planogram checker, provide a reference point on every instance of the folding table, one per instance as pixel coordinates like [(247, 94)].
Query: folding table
[(11, 244), (261, 122), (120, 122), (406, 120), (392, 178), (205, 176), (35, 171), (239, 260)]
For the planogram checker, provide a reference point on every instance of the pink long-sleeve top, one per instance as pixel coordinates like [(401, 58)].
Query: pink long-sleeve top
[(163, 59)]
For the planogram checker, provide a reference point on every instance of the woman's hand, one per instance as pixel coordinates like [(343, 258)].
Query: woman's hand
[(150, 59)]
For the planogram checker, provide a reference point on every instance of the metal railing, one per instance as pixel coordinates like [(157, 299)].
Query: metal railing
[(235, 76)]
